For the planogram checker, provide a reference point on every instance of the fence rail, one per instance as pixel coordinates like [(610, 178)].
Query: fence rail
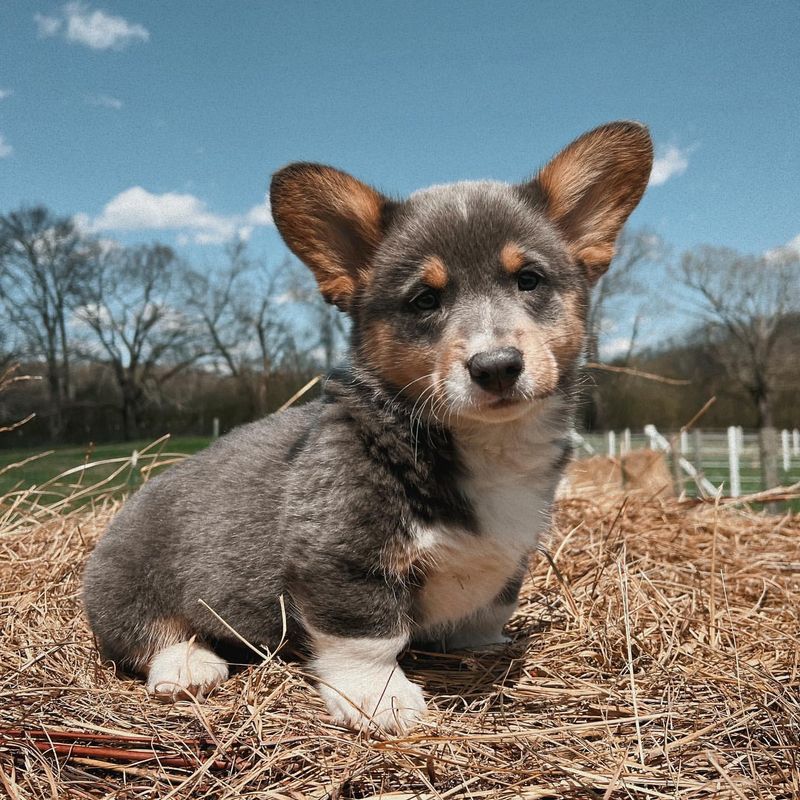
[(708, 461)]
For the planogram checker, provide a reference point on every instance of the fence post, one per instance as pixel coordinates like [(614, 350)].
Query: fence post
[(697, 446), (215, 428), (787, 456), (733, 461), (626, 441), (684, 442), (578, 441), (796, 442), (658, 442), (612, 444), (675, 454)]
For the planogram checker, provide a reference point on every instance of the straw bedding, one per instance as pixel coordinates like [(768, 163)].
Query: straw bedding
[(656, 653)]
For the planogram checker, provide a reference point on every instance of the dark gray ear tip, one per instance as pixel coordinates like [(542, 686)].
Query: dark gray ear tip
[(631, 128), (629, 125), (292, 172)]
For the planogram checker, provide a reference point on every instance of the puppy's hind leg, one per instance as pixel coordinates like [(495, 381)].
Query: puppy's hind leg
[(485, 629), (185, 670), (165, 652)]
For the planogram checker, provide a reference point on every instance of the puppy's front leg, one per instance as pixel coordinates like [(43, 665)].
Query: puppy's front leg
[(362, 683), (358, 619)]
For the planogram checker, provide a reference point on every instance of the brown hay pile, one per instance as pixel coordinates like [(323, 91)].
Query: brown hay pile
[(639, 471), (647, 471), (656, 654)]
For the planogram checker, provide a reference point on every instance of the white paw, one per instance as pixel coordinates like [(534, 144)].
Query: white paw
[(362, 684), (184, 671), (387, 701)]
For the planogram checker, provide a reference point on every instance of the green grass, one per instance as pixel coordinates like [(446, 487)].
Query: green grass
[(39, 466), (750, 478), (22, 469)]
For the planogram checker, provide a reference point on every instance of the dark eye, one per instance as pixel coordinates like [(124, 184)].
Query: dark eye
[(426, 300), (528, 280)]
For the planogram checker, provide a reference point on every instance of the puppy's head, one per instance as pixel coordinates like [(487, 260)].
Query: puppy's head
[(469, 299)]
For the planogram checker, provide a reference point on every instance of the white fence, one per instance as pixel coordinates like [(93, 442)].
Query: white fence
[(709, 461)]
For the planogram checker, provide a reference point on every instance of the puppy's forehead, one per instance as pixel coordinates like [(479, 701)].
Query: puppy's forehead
[(484, 206), (464, 198), (466, 220)]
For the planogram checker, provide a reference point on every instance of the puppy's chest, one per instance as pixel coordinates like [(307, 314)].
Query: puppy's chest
[(466, 570)]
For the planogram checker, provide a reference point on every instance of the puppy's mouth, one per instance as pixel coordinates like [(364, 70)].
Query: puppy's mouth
[(491, 407), (505, 402)]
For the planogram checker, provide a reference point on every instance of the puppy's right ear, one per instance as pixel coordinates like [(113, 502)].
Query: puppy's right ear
[(332, 222)]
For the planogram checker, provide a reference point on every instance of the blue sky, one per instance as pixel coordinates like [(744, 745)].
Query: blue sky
[(143, 115)]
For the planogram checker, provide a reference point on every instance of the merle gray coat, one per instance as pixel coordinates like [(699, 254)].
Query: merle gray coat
[(404, 504)]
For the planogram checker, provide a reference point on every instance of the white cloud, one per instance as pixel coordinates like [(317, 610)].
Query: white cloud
[(671, 161), (5, 148), (79, 24), (104, 101), (47, 26), (794, 244), (136, 209), (4, 93), (257, 217), (260, 214), (789, 250)]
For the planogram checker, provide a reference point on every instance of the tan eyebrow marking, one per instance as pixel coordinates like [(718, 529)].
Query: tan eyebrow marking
[(434, 272), (512, 257)]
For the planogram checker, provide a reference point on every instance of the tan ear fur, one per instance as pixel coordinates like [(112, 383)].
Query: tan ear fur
[(332, 222), (591, 187)]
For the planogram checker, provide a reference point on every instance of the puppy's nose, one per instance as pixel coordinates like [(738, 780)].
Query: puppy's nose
[(496, 370)]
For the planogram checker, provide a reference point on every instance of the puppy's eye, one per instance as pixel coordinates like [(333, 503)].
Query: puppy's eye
[(528, 280), (426, 300)]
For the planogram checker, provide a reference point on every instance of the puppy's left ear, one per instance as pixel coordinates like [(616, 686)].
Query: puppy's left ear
[(590, 188), (332, 222)]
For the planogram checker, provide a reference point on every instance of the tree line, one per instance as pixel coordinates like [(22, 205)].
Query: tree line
[(134, 341)]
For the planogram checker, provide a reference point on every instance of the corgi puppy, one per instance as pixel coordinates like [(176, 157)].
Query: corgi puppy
[(404, 504)]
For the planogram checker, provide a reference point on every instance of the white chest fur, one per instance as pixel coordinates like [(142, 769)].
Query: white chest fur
[(510, 482)]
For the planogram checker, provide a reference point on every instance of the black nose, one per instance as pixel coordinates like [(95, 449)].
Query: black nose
[(496, 370)]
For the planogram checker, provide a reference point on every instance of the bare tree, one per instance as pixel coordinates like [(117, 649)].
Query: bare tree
[(744, 303), (8, 354), (622, 286), (215, 297), (44, 261), (237, 306), (133, 309), (328, 326)]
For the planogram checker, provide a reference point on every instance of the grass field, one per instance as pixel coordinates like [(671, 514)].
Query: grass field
[(21, 469)]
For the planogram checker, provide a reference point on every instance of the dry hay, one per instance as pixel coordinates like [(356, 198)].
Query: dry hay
[(639, 471), (656, 653)]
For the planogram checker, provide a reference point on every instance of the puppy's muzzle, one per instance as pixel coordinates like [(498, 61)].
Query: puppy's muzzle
[(496, 371)]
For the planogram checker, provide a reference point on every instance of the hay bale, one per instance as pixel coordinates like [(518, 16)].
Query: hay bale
[(647, 471), (590, 476), (656, 657), (604, 477)]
